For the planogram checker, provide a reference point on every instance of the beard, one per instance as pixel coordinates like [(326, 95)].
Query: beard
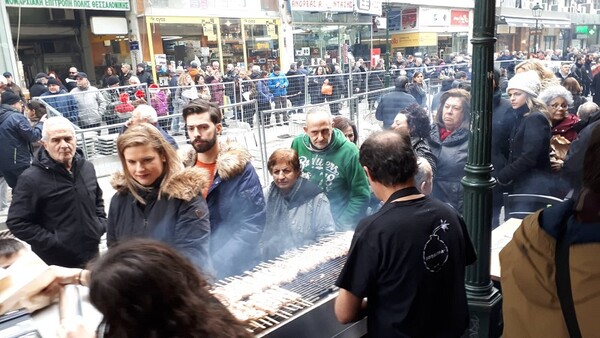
[(205, 146)]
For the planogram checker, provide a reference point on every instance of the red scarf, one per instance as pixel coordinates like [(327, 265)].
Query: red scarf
[(444, 133)]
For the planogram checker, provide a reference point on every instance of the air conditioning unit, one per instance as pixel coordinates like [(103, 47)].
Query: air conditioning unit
[(59, 14)]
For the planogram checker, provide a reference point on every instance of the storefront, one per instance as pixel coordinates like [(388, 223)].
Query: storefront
[(426, 31), (338, 32), (178, 41)]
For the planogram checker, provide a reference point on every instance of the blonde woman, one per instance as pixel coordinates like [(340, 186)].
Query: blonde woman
[(156, 198), (528, 166)]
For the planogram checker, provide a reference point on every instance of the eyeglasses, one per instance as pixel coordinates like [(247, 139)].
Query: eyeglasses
[(556, 106)]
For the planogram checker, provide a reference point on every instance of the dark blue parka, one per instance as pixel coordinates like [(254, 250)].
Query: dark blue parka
[(16, 136), (179, 218), (237, 210)]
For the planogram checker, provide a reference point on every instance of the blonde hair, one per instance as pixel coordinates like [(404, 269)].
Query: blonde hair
[(141, 135), (547, 77)]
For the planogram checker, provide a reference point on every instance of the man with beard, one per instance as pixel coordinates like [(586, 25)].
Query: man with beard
[(234, 196), (92, 103), (71, 79), (62, 101)]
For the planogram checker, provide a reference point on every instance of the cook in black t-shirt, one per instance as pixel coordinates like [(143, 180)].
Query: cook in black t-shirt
[(409, 261)]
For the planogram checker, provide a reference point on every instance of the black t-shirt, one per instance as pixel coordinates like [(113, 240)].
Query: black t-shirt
[(409, 260)]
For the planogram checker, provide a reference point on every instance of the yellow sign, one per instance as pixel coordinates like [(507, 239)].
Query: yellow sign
[(413, 40), (181, 19)]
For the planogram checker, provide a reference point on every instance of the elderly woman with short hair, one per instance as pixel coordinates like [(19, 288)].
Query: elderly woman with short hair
[(298, 212), (449, 143)]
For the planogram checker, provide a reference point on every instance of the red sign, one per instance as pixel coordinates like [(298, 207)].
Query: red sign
[(375, 56), (459, 18)]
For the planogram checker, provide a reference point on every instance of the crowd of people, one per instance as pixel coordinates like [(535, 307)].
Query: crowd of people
[(400, 191)]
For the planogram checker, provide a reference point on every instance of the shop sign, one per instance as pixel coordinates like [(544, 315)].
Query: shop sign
[(134, 45), (375, 56), (459, 18), (413, 40), (409, 19), (323, 5), (434, 17), (108, 5), (259, 21), (180, 19), (372, 7)]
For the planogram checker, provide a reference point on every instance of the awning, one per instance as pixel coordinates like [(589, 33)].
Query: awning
[(529, 22)]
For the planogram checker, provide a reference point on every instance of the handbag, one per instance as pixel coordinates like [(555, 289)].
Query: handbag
[(326, 88), (560, 146)]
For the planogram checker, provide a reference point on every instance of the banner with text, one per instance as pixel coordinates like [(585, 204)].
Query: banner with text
[(108, 5)]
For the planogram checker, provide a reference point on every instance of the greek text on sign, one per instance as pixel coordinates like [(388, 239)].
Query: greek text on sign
[(323, 5), (109, 5)]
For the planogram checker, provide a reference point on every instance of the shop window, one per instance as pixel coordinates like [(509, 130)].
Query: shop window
[(232, 42), (262, 42)]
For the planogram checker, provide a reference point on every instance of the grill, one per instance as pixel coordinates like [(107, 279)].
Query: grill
[(309, 289)]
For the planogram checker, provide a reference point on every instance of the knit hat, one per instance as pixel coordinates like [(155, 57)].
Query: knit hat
[(82, 75), (41, 75), (528, 81), (53, 81), (111, 81), (9, 98), (141, 65), (7, 74)]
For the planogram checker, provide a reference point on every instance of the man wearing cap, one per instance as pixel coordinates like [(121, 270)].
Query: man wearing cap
[(11, 85), (278, 84), (39, 87), (16, 135), (144, 76), (91, 102), (62, 101), (71, 79)]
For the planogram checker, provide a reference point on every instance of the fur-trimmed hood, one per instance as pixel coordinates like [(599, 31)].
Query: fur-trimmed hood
[(231, 161), (184, 185)]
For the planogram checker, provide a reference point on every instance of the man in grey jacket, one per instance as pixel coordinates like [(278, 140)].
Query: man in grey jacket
[(92, 104)]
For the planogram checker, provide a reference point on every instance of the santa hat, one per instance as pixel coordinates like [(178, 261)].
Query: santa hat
[(153, 88), (140, 94), (528, 81)]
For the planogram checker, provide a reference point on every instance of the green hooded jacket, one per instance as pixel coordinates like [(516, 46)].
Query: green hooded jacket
[(338, 173)]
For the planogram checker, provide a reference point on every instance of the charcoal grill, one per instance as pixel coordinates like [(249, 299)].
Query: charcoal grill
[(312, 315)]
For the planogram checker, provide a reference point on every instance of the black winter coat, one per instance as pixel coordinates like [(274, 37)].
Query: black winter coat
[(451, 156), (528, 165), (391, 104), (16, 136), (60, 214), (37, 89), (503, 121)]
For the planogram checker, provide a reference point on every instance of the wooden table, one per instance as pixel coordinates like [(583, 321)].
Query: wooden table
[(500, 237)]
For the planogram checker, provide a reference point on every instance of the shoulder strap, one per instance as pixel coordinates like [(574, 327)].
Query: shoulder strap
[(563, 279)]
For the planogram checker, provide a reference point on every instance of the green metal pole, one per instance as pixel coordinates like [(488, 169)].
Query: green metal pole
[(485, 302), (388, 46)]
